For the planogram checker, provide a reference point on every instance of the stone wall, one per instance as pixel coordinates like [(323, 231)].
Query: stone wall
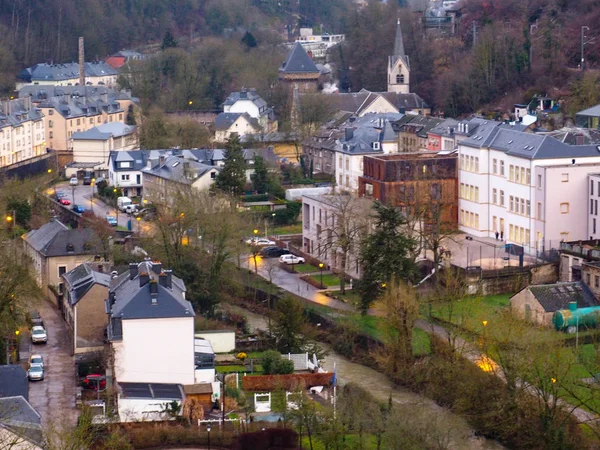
[(494, 282)]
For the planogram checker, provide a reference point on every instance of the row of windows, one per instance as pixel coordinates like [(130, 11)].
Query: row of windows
[(519, 174), (593, 207), (519, 206), (469, 163), (519, 234), (469, 192), (592, 188), (498, 167), (469, 219), (497, 200)]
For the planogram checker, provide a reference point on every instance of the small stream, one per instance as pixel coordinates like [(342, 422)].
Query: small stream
[(444, 422)]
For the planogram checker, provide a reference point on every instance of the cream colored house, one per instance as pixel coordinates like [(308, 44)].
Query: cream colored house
[(22, 134), (55, 250), (71, 109), (242, 124), (96, 73), (92, 147)]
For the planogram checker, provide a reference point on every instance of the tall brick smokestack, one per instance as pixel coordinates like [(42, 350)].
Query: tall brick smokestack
[(81, 63)]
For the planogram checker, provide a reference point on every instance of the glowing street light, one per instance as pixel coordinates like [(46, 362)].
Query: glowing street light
[(321, 267), (485, 322)]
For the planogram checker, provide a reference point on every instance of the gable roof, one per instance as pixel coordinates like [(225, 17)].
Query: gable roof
[(131, 298), (268, 383), (245, 94), (137, 158), (594, 111), (60, 72), (81, 279), (181, 170), (554, 297), (298, 61), (18, 416), (13, 381), (55, 239), (224, 120)]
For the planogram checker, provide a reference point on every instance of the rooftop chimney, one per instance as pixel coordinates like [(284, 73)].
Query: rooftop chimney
[(153, 288), (349, 133), (156, 267), (81, 63), (133, 270), (144, 278), (169, 274)]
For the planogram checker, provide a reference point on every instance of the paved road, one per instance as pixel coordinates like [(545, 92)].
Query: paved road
[(269, 269), (54, 397), (83, 197)]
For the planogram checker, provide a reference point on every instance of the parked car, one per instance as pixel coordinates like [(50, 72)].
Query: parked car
[(36, 359), (38, 334), (65, 201), (73, 181), (291, 259), (262, 242), (112, 221), (78, 209), (273, 252), (123, 202), (35, 372), (87, 180), (131, 209), (59, 195), (35, 319), (95, 382)]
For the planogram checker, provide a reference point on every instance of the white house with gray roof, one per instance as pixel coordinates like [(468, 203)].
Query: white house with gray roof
[(249, 102), (239, 123), (96, 73), (151, 326), (531, 189), (22, 132)]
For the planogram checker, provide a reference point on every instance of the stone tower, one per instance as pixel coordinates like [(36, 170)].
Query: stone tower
[(398, 67)]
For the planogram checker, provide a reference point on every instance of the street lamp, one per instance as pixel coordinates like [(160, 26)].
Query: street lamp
[(485, 322), (92, 198), (208, 431), (139, 225), (117, 208), (321, 267)]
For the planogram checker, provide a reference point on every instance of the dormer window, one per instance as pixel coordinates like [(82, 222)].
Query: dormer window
[(70, 248), (375, 145)]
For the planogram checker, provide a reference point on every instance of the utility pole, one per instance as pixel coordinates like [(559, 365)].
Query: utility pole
[(583, 30)]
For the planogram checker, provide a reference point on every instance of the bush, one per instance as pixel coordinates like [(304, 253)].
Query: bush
[(274, 364), (255, 198), (281, 438), (287, 216)]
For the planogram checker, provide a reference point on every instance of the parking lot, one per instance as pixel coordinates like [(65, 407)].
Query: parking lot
[(54, 397)]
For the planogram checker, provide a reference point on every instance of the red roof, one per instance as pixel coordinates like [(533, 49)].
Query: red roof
[(115, 61), (267, 383)]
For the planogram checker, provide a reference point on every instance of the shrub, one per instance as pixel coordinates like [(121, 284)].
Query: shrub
[(274, 364)]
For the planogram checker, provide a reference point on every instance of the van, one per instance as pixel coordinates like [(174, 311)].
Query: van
[(123, 203)]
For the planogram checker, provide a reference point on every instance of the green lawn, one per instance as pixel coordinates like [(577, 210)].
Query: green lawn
[(238, 368), (352, 297), (304, 268), (351, 442), (289, 229), (469, 313), (328, 279)]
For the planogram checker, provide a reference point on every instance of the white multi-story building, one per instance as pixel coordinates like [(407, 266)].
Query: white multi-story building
[(593, 198), (22, 134), (529, 188)]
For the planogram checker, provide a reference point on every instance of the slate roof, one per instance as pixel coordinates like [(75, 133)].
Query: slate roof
[(594, 111), (13, 381), (55, 239), (128, 300), (224, 120), (18, 416), (298, 61), (246, 94), (161, 391), (136, 157), (181, 170), (18, 113), (61, 72), (576, 136), (446, 128), (553, 297), (81, 279), (422, 124), (39, 93), (105, 131), (399, 48)]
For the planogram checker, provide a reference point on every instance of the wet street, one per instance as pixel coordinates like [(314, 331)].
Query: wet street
[(54, 396), (437, 419)]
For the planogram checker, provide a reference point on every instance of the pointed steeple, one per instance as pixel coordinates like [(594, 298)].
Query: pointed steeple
[(399, 46)]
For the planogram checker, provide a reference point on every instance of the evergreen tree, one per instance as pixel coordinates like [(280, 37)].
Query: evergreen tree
[(232, 177), (260, 179), (385, 255), (130, 119), (248, 40), (168, 41)]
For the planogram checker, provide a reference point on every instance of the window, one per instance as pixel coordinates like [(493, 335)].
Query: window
[(124, 177), (462, 190), (522, 206), (596, 281), (51, 112), (120, 116), (511, 203), (50, 124), (523, 175), (502, 168), (564, 236), (564, 208), (528, 176), (462, 217), (594, 225), (596, 203), (471, 193), (476, 226), (347, 163), (565, 177), (494, 196), (476, 194), (511, 232), (495, 223), (517, 178), (591, 188), (400, 79), (61, 271), (539, 182), (340, 182), (78, 121), (511, 173), (587, 279), (501, 198), (528, 211), (50, 134), (476, 164), (213, 175), (527, 237), (495, 166), (539, 211), (347, 180), (598, 191), (340, 163), (591, 206)]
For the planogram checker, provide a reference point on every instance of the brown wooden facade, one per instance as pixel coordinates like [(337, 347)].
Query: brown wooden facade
[(426, 184)]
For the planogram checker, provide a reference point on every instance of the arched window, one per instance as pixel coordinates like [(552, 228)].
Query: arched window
[(400, 79)]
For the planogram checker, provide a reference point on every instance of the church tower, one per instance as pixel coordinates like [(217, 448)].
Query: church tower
[(398, 67)]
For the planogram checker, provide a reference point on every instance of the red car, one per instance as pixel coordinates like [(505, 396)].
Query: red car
[(65, 201), (94, 381)]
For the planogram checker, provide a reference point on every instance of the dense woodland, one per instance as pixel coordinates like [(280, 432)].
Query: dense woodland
[(521, 47)]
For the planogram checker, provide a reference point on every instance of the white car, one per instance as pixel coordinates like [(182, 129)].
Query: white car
[(73, 181), (36, 360), (38, 334), (264, 242), (35, 372), (291, 259)]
